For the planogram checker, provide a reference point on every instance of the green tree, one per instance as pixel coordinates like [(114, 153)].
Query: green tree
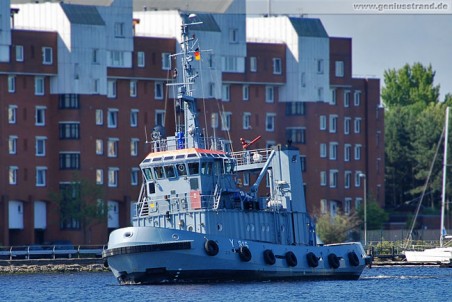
[(413, 125), (376, 216), (410, 86), (335, 229), (81, 205)]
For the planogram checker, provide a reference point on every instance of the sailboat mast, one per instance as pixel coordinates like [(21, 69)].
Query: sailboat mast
[(443, 197)]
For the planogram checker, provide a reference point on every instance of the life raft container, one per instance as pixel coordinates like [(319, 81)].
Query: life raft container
[(211, 247), (313, 260), (291, 259), (269, 257), (245, 254), (333, 261), (353, 259)]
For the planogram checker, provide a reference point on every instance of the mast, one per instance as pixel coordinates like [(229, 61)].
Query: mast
[(443, 197), (189, 135)]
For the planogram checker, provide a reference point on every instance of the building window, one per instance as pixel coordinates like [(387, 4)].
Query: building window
[(323, 206), (333, 178), (233, 35), (134, 146), (113, 177), (269, 94), (270, 122), (277, 68), (357, 179), (320, 66), (68, 101), (119, 29), (214, 120), (41, 173), (39, 85), (357, 125), (303, 79), (11, 84), (134, 118), (333, 151), (159, 117), (112, 147), (12, 175), (347, 179), (320, 93), (347, 152), (347, 206), (295, 108), (347, 121), (333, 97), (12, 144), (99, 147), (166, 61), (323, 152), (140, 59), (245, 92), (47, 56), (112, 118), (69, 130), (323, 122), (346, 98), (40, 116), (246, 179), (40, 145), (99, 117), (19, 53), (69, 161), (211, 92), (333, 123), (323, 178), (357, 98), (225, 92), (111, 89), (246, 120), (253, 64), (96, 86), (226, 121), (95, 56), (99, 177), (357, 152), (116, 59), (134, 176), (158, 90), (133, 88), (339, 69), (12, 114), (296, 135)]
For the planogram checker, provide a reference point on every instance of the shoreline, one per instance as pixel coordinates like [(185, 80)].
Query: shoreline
[(96, 265), (52, 266)]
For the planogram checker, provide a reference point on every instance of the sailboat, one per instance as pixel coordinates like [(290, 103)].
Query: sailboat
[(443, 253)]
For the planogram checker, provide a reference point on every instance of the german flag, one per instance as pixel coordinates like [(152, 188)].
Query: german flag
[(197, 54)]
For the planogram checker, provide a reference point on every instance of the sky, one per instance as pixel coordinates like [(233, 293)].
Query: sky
[(399, 32), (382, 42)]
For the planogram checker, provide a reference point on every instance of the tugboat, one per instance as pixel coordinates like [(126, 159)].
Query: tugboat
[(193, 222)]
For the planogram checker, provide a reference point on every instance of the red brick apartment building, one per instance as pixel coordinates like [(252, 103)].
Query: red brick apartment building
[(48, 137)]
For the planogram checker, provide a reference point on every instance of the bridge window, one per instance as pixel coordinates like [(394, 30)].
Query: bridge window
[(170, 172), (159, 174), (193, 168), (147, 173)]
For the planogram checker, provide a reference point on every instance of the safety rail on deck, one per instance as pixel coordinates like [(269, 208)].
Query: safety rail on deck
[(174, 143), (51, 251), (248, 157), (147, 205)]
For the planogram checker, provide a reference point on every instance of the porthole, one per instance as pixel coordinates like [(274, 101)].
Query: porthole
[(128, 234), (175, 237), (219, 227)]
